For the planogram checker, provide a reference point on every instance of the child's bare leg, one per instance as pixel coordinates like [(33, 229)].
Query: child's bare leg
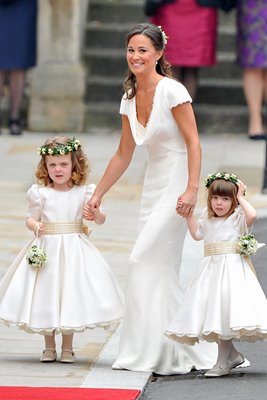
[(49, 354), (67, 355)]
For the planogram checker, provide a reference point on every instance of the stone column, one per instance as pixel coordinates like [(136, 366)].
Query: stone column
[(58, 81)]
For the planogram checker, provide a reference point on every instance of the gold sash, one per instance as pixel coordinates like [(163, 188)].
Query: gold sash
[(58, 228), (215, 248), (211, 249)]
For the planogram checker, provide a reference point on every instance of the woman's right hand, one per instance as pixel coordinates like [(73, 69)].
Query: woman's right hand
[(89, 209)]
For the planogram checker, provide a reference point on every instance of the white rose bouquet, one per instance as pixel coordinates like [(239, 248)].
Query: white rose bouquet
[(36, 257), (247, 245)]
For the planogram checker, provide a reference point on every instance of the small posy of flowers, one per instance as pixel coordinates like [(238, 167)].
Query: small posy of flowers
[(247, 245), (220, 175), (60, 149), (164, 36), (36, 257)]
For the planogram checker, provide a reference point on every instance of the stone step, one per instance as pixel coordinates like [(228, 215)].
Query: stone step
[(101, 89), (225, 68), (116, 11), (102, 114), (220, 103), (210, 118), (213, 91), (221, 118), (220, 91), (113, 63), (112, 35)]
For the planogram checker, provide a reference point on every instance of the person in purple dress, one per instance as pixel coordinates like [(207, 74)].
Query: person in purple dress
[(252, 57)]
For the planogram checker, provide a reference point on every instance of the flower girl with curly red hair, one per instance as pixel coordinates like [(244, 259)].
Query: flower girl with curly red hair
[(60, 283)]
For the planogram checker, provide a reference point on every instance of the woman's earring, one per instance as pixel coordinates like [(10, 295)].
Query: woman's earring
[(156, 62)]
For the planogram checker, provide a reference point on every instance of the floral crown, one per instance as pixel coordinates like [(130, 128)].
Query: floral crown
[(60, 149), (220, 175), (164, 36)]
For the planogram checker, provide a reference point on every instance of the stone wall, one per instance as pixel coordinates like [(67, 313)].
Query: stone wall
[(58, 81)]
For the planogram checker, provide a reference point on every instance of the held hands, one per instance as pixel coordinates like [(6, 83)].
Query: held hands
[(91, 209), (186, 203)]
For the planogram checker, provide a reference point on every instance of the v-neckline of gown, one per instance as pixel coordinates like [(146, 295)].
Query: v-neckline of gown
[(152, 108)]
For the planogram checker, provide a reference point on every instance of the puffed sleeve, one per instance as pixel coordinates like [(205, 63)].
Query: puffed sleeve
[(34, 201), (201, 219), (176, 93), (89, 190), (239, 220)]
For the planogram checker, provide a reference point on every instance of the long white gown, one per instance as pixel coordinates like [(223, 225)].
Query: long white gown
[(224, 299), (75, 289), (153, 291)]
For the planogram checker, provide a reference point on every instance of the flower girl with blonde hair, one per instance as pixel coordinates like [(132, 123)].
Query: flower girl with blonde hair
[(224, 301), (60, 283)]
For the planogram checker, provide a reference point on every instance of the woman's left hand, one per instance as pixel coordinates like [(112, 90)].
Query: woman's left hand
[(186, 203)]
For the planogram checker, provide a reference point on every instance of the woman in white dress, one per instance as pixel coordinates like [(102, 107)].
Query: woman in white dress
[(156, 112), (75, 288), (224, 301)]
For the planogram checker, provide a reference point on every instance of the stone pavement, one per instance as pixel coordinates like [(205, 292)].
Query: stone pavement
[(96, 350)]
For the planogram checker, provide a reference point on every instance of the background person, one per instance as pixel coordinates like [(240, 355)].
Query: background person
[(18, 20), (192, 31), (252, 57)]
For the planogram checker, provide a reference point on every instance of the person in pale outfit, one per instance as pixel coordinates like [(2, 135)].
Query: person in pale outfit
[(156, 113), (224, 301), (75, 288)]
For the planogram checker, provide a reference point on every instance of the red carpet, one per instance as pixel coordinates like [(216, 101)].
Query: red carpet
[(55, 393)]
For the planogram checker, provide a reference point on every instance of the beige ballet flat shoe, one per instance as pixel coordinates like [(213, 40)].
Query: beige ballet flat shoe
[(221, 370), (67, 356), (48, 355)]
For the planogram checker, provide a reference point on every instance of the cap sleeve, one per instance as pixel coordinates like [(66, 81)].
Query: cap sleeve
[(176, 94), (89, 190), (124, 106), (239, 220), (201, 219), (34, 201)]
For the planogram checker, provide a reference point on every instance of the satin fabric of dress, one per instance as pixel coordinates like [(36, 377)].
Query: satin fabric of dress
[(75, 289), (153, 290)]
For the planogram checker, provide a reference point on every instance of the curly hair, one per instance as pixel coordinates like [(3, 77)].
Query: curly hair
[(154, 33), (221, 187), (80, 165)]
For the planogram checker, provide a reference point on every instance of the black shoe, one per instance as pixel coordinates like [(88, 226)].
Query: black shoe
[(258, 136), (15, 126)]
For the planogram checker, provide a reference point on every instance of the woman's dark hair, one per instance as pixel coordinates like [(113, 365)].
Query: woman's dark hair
[(221, 187), (154, 33)]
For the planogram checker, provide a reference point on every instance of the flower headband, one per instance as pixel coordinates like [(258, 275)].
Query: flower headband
[(61, 149), (164, 36), (220, 175)]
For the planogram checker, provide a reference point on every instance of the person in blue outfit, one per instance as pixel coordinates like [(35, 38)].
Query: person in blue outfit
[(18, 21)]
